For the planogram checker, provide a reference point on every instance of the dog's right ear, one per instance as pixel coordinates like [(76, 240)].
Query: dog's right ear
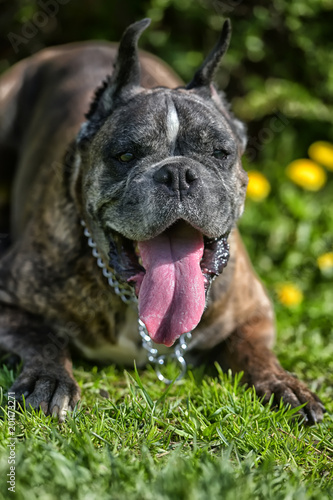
[(205, 74), (124, 81)]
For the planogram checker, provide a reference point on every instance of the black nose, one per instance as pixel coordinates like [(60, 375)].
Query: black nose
[(179, 180)]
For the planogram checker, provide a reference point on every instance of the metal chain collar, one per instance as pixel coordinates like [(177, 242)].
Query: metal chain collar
[(127, 295)]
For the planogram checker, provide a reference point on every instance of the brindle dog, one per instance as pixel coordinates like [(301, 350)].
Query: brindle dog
[(155, 173)]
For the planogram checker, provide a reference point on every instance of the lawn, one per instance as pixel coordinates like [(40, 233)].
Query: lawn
[(205, 437)]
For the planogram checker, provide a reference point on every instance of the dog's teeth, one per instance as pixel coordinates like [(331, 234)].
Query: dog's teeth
[(140, 261)]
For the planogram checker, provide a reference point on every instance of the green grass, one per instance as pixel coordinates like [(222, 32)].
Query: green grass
[(207, 437)]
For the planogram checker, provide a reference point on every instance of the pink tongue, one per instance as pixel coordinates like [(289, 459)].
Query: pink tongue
[(172, 293)]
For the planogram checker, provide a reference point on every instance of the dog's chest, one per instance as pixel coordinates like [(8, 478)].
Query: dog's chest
[(116, 339), (113, 338)]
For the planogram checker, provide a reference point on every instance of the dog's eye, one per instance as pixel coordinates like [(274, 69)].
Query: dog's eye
[(126, 157), (220, 154)]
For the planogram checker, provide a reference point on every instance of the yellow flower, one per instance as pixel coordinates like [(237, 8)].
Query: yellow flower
[(289, 294), (322, 152), (259, 187), (307, 174), (325, 261)]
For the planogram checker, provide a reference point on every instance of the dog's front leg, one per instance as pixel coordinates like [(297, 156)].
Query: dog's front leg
[(248, 350), (46, 379)]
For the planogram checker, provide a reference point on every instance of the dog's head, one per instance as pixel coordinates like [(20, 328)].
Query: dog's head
[(162, 185)]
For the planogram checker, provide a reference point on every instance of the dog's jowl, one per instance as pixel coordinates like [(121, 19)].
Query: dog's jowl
[(152, 172)]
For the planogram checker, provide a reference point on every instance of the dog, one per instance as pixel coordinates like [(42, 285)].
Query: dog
[(152, 175)]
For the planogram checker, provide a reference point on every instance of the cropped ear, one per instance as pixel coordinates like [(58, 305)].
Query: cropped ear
[(205, 74), (125, 79)]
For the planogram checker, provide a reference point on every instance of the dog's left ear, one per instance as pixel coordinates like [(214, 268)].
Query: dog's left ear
[(124, 81), (202, 83), (204, 76)]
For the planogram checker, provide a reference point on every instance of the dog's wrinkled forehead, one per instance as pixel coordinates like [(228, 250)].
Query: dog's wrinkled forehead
[(166, 117)]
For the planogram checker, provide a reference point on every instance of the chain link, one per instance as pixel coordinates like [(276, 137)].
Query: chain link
[(159, 361), (128, 297), (122, 290)]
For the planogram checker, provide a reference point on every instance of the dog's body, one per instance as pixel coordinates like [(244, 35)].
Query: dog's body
[(52, 293)]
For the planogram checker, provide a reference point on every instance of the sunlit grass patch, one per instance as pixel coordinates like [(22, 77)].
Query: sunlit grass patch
[(208, 437)]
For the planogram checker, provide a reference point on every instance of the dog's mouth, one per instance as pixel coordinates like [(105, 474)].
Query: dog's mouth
[(171, 273)]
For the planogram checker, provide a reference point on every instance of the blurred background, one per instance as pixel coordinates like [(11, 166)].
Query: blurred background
[(278, 76)]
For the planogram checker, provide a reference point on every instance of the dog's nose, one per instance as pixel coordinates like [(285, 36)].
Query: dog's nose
[(177, 179)]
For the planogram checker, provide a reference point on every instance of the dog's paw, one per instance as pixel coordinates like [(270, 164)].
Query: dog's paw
[(53, 389), (293, 392)]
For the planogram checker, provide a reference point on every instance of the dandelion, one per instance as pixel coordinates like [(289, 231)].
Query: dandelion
[(258, 188), (325, 261), (322, 152), (307, 174), (289, 294)]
